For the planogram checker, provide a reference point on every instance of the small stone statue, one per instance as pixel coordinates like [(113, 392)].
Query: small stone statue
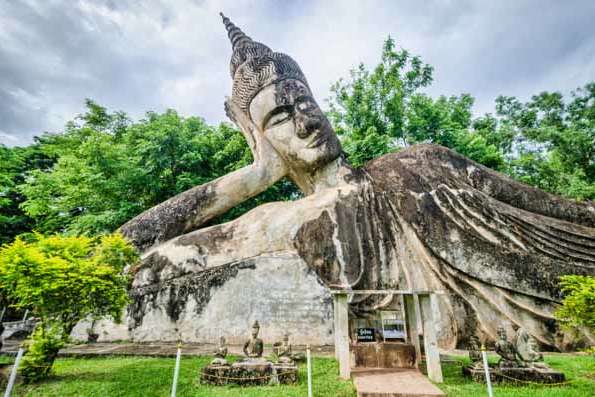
[(519, 360), (283, 350), (220, 353), (475, 352), (506, 350), (253, 347), (527, 349)]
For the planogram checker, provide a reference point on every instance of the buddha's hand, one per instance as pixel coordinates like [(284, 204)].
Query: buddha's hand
[(265, 156)]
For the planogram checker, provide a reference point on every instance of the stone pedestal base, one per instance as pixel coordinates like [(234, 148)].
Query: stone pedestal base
[(249, 373), (384, 355), (512, 375)]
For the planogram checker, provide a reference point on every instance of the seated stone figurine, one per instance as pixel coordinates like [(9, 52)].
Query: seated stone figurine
[(475, 352), (283, 350), (253, 347), (284, 353), (423, 218), (220, 353), (514, 365), (506, 350), (527, 350)]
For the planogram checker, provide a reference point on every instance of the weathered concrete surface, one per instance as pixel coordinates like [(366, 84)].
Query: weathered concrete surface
[(516, 375), (160, 349), (384, 355), (279, 291), (393, 383)]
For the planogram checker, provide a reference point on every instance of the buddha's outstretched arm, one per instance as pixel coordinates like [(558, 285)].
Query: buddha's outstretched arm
[(192, 208)]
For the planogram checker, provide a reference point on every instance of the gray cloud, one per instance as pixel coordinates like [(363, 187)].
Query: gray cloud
[(137, 56)]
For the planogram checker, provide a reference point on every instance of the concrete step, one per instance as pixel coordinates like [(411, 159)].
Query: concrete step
[(405, 382)]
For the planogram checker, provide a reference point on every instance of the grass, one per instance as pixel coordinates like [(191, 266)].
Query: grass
[(579, 371), (147, 377)]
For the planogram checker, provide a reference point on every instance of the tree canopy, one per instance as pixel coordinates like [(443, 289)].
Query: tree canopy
[(578, 306), (63, 280), (548, 141)]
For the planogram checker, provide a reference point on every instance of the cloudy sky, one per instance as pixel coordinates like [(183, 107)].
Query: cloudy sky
[(137, 56)]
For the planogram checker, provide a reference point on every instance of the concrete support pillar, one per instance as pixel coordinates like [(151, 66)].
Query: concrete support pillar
[(413, 322), (429, 306), (341, 321)]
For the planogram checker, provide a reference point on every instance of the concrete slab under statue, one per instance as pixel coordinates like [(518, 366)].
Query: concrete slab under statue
[(423, 219)]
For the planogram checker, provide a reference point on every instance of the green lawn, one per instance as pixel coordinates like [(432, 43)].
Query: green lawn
[(579, 371), (146, 377)]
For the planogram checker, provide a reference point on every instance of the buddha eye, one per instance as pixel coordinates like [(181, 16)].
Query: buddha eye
[(280, 116)]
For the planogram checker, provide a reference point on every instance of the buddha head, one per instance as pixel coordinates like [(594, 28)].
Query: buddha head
[(255, 329), (270, 88)]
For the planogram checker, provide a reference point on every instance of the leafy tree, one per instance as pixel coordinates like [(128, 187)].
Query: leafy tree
[(578, 306), (12, 219), (547, 142), (110, 169), (14, 164), (63, 280), (554, 139), (380, 111), (369, 110)]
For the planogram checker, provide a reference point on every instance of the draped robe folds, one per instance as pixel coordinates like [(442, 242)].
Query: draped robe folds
[(425, 218)]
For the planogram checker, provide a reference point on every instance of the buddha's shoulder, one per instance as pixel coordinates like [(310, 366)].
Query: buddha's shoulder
[(414, 155), (406, 165)]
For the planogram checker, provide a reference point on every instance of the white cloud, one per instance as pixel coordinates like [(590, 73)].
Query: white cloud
[(137, 56)]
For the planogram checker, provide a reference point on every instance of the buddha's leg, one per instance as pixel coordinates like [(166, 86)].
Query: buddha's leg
[(498, 246), (436, 163)]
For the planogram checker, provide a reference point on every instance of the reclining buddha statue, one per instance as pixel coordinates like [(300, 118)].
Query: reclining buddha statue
[(424, 218)]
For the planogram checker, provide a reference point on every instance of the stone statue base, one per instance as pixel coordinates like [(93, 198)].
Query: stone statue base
[(249, 373), (515, 375), (384, 355)]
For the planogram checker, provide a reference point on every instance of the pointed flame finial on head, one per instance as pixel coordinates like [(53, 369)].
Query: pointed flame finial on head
[(235, 34), (253, 65)]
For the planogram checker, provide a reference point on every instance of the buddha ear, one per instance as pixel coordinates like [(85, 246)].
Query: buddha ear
[(244, 123)]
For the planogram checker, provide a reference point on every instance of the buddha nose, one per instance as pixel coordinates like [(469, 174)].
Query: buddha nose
[(310, 125)]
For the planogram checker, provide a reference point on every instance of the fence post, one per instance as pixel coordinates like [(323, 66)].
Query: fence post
[(174, 386), (13, 373), (486, 368), (309, 367)]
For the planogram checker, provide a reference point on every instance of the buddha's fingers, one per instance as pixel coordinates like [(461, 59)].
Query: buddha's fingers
[(246, 126), (265, 156)]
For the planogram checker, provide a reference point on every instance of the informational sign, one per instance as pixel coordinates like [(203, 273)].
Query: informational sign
[(366, 335)]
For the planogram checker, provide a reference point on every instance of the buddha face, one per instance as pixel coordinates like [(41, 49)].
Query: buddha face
[(295, 126)]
